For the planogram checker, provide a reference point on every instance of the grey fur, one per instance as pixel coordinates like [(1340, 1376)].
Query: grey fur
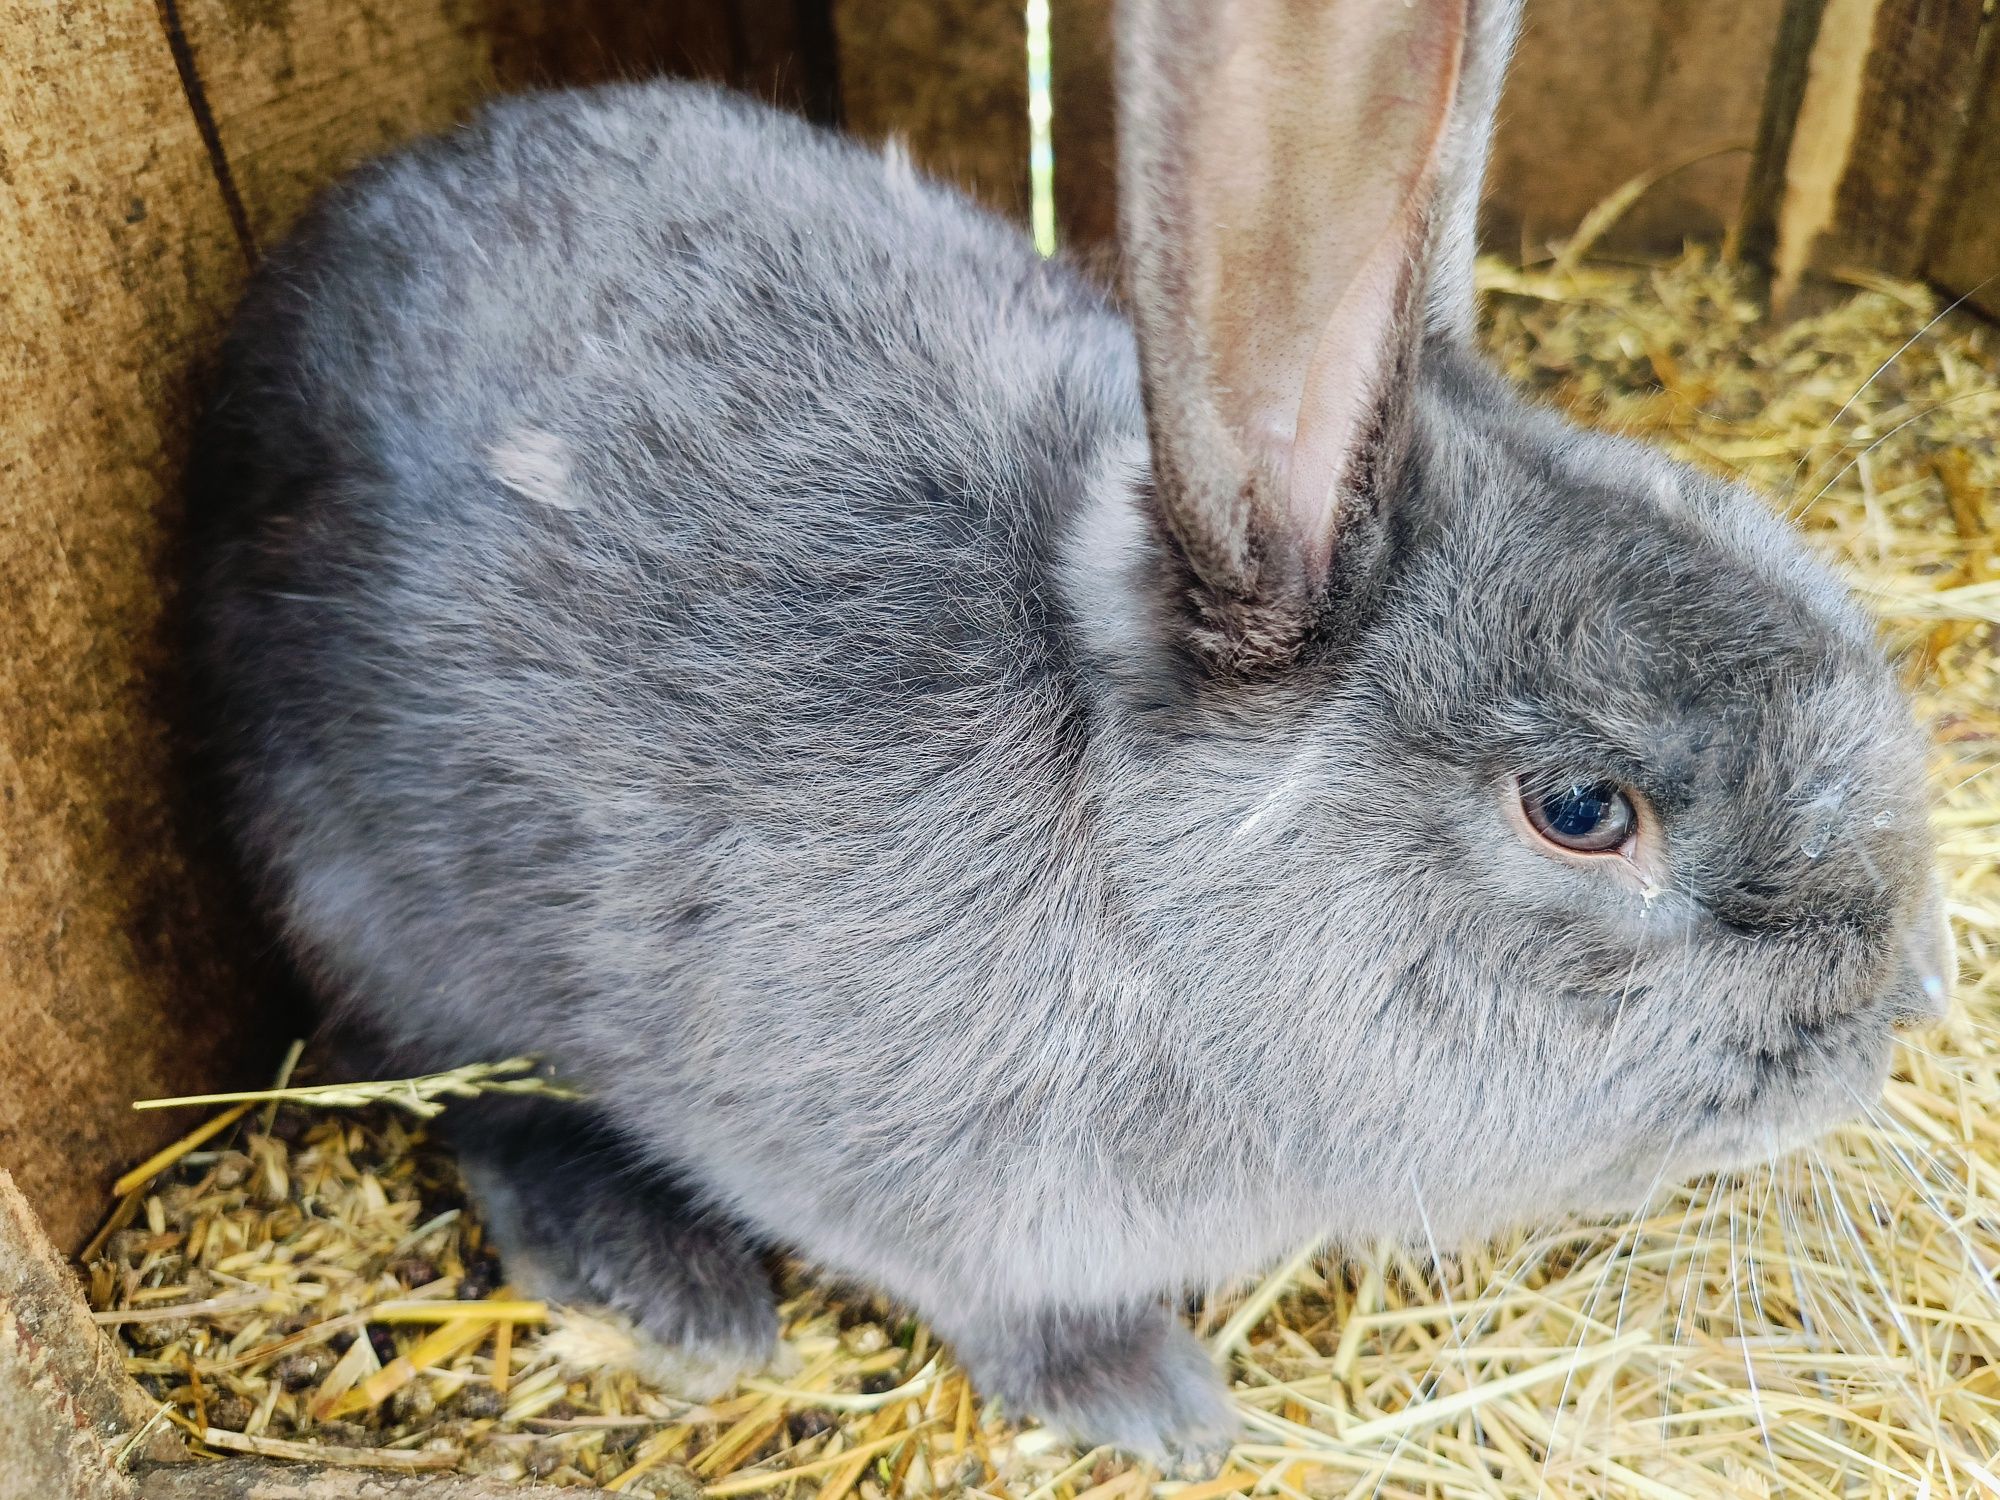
[(676, 607)]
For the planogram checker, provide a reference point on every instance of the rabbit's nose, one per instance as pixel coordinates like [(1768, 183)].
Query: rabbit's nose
[(1918, 1000), (1922, 992)]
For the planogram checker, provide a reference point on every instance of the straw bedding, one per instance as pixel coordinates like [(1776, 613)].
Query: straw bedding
[(309, 1279)]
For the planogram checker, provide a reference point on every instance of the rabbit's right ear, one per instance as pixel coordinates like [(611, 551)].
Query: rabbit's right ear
[(1279, 162)]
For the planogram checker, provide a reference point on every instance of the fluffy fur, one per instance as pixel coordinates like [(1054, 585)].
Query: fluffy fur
[(683, 601)]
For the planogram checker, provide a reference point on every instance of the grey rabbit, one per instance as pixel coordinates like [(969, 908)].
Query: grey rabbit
[(1035, 812)]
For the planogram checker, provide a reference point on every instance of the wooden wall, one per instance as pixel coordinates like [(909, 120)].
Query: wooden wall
[(150, 149), (1825, 135), (1892, 160)]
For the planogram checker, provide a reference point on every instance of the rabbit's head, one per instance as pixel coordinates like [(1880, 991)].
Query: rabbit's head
[(1561, 802)]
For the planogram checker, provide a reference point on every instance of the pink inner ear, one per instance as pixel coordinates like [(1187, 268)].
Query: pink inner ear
[(1343, 391), (1311, 166)]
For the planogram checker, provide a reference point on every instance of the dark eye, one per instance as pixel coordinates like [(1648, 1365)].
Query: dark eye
[(1591, 818)]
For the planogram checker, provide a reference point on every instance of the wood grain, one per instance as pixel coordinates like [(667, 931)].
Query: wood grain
[(950, 78), (1963, 255), (119, 264), (1917, 96), (75, 1426), (1600, 93), (1777, 129), (1891, 90), (67, 1407), (1084, 128), (302, 91), (256, 1479)]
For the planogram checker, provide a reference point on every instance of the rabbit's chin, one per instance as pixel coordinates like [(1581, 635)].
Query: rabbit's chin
[(1743, 1151), (1801, 1113), (1777, 1123)]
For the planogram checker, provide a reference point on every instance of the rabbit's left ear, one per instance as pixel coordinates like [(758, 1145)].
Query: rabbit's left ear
[(1298, 180), (1461, 166)]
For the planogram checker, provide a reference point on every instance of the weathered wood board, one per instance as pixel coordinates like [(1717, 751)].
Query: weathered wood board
[(299, 92), (1602, 93), (947, 77), (120, 263), (1963, 253), (68, 1411), (1084, 126), (1891, 163)]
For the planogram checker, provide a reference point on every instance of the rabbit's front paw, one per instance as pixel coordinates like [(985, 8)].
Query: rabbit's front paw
[(1133, 1378), (578, 1220)]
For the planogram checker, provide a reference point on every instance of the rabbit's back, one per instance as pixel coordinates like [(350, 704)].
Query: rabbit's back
[(629, 519)]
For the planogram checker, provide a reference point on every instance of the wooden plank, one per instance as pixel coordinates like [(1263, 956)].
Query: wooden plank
[(808, 65), (784, 51), (117, 261), (1777, 128), (950, 78), (1600, 93), (542, 42), (300, 93), (67, 1407), (259, 1479), (1891, 87), (1084, 129), (1964, 253)]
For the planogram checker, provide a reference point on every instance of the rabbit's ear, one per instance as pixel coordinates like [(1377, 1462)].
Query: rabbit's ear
[(1280, 162), (1461, 169)]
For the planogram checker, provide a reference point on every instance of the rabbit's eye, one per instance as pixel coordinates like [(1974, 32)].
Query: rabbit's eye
[(1585, 818)]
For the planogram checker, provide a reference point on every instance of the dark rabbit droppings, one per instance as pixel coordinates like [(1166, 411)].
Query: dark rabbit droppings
[(298, 1372), (803, 1426), (482, 1278), (157, 1333), (479, 1403), (413, 1403), (414, 1271), (690, 600), (230, 1413)]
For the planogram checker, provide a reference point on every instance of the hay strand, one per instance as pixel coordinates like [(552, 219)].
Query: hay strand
[(425, 1096)]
